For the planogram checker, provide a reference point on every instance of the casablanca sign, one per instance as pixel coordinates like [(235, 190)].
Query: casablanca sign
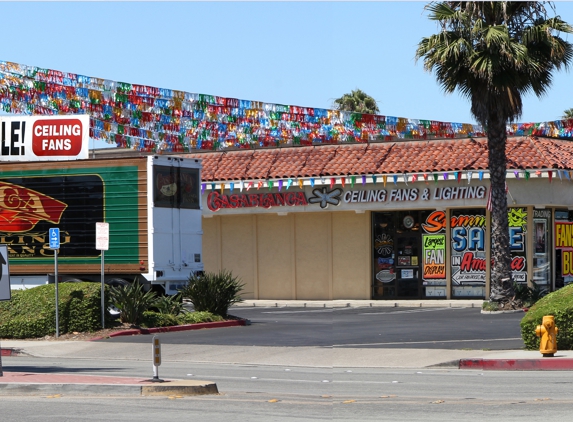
[(324, 197)]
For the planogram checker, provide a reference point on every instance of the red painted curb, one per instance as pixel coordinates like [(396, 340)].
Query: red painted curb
[(545, 364), (199, 326)]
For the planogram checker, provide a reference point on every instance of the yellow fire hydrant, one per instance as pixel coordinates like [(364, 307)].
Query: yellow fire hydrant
[(548, 333)]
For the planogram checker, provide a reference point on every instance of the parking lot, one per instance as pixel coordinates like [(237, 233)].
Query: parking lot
[(423, 328)]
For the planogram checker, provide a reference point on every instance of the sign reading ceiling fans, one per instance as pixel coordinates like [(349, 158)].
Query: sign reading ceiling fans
[(44, 138)]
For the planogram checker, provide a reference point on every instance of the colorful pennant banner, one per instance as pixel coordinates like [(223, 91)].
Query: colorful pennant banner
[(158, 119)]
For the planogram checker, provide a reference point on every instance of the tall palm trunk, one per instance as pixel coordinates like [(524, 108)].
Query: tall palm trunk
[(501, 283)]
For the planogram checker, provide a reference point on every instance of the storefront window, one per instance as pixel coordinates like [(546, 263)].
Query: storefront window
[(563, 248), (434, 253), (384, 285), (468, 252), (469, 255), (399, 256), (541, 248)]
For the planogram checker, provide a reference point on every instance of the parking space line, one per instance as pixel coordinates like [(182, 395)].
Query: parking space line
[(427, 342)]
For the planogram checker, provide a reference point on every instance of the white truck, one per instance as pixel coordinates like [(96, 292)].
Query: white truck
[(151, 203)]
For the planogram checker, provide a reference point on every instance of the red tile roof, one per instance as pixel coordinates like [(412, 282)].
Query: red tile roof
[(381, 158)]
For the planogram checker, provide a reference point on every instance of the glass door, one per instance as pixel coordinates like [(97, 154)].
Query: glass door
[(397, 255)]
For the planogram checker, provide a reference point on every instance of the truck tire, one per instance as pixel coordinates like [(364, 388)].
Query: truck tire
[(117, 282)]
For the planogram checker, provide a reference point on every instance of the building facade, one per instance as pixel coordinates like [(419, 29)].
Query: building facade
[(402, 220)]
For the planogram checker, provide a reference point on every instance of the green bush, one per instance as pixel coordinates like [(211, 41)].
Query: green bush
[(132, 301), (157, 319), (528, 296), (152, 319), (213, 292), (560, 305), (169, 304), (32, 313), (197, 317)]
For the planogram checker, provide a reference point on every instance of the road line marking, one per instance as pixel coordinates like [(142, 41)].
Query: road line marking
[(409, 311), (426, 342)]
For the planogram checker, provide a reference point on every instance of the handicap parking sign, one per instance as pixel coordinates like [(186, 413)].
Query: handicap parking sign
[(54, 236)]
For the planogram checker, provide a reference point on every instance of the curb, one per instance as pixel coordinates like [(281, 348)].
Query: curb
[(9, 352), (188, 327), (167, 388), (512, 311), (545, 364)]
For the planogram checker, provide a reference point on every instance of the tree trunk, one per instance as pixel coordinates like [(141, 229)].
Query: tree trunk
[(501, 282)]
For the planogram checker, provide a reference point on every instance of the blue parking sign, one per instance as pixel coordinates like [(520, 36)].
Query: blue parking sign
[(54, 236)]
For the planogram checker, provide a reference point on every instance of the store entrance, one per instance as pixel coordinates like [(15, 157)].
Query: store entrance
[(397, 255)]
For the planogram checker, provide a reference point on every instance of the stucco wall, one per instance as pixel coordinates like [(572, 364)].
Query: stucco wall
[(313, 256), (351, 242)]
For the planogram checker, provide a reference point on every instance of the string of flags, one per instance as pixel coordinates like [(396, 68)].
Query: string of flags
[(384, 179), (157, 119)]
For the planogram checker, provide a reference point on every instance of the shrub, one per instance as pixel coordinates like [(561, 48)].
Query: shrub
[(32, 313), (213, 292), (528, 295), (560, 305), (197, 317), (156, 319), (169, 304), (152, 319), (490, 306), (132, 301)]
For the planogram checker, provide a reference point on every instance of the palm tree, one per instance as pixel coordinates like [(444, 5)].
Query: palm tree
[(357, 101), (493, 53), (567, 114)]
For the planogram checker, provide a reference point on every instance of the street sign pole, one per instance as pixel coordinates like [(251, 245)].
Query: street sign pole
[(102, 244), (54, 238), (5, 293), (102, 291), (56, 281)]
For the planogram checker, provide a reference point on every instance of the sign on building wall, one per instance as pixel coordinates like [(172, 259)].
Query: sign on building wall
[(44, 138), (434, 261), (468, 250), (434, 254), (564, 242), (326, 198)]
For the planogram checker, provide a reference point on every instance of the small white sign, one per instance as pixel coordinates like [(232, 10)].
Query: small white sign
[(102, 236), (5, 293)]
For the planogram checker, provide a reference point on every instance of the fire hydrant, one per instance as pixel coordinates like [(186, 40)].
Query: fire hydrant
[(548, 333)]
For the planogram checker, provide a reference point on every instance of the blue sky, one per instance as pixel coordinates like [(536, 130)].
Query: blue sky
[(296, 53)]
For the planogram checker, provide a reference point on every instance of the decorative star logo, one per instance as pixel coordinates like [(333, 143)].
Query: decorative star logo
[(322, 197)]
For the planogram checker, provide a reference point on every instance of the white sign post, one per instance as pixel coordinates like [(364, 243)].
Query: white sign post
[(5, 293), (54, 238), (102, 244)]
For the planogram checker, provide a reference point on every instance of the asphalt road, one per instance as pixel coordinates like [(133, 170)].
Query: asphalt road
[(423, 328), (280, 393)]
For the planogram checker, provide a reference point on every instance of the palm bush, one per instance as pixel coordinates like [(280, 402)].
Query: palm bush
[(213, 292), (529, 295), (172, 305), (132, 301)]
